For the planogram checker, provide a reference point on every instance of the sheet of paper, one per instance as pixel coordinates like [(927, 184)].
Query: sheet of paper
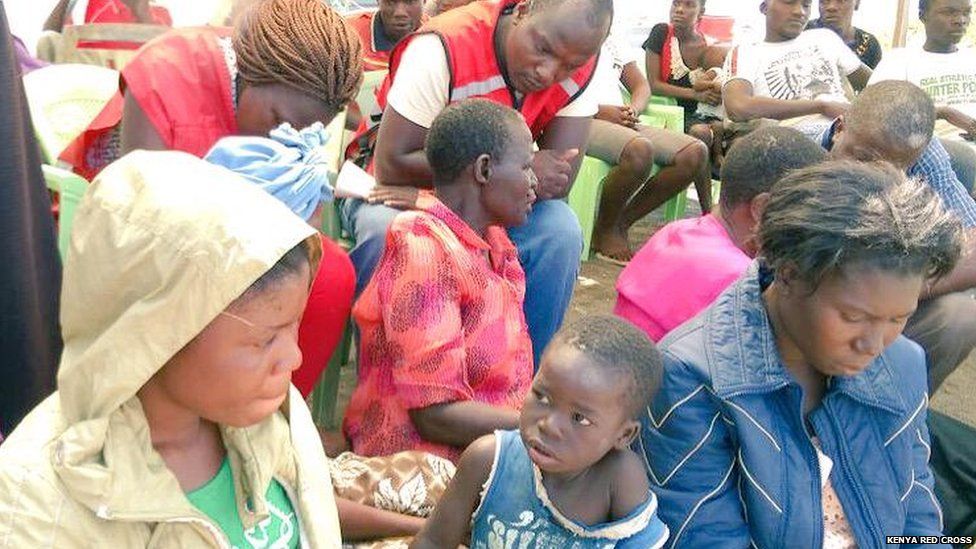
[(353, 182)]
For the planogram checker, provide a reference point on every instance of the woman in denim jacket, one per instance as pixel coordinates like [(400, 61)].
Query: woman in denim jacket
[(792, 412)]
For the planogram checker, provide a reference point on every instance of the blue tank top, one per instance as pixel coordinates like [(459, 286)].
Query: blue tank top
[(515, 511)]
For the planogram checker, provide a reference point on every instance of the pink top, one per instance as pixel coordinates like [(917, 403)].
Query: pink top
[(679, 272), (440, 321)]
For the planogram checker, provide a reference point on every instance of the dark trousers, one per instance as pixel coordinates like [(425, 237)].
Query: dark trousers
[(946, 328), (954, 466)]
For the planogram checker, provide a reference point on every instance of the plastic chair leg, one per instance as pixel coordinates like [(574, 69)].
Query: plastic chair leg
[(70, 188), (584, 198), (674, 208), (325, 397)]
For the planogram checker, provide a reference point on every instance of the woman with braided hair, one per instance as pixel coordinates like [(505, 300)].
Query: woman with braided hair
[(290, 61)]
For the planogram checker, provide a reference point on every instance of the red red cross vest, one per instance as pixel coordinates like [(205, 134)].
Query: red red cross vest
[(468, 37)]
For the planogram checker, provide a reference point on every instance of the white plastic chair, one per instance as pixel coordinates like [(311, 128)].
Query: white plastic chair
[(63, 101)]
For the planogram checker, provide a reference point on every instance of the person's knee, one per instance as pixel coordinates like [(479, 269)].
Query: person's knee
[(562, 222), (956, 314), (692, 157), (637, 157), (946, 328), (701, 132)]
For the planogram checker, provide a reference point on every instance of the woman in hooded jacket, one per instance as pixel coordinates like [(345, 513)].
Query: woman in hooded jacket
[(175, 423)]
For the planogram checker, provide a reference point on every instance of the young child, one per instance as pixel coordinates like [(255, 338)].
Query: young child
[(567, 477)]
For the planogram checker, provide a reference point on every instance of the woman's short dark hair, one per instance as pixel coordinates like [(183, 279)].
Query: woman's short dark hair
[(844, 213), (465, 130), (756, 161)]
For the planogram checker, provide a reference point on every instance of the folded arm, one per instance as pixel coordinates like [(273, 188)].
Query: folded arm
[(662, 87), (742, 105), (461, 423)]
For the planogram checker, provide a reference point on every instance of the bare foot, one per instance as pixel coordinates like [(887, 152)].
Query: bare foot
[(613, 246)]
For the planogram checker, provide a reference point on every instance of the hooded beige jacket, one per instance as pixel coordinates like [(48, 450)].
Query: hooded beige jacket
[(163, 242)]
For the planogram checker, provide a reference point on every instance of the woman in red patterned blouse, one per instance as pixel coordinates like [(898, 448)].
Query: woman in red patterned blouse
[(445, 355)]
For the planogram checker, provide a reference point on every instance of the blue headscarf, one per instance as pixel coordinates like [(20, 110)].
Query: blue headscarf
[(290, 165)]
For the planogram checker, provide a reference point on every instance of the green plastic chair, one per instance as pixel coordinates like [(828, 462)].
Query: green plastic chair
[(71, 188), (325, 396), (584, 197), (63, 100)]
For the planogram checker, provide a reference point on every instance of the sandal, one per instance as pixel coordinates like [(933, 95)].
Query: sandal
[(611, 259)]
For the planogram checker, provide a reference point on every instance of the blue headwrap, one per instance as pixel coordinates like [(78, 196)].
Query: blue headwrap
[(291, 165)]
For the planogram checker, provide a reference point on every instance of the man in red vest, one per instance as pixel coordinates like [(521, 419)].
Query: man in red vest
[(537, 56), (380, 30)]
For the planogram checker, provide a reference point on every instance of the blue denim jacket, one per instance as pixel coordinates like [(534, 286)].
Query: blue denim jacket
[(730, 457)]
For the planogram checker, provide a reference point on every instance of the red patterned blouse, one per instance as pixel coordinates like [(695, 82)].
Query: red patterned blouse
[(440, 321)]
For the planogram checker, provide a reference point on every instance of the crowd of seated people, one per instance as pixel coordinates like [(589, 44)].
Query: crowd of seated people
[(765, 378), (618, 137)]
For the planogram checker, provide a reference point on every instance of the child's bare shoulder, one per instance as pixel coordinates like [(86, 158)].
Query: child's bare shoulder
[(479, 456), (628, 481), (624, 467)]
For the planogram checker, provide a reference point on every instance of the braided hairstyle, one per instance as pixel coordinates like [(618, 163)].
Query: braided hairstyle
[(303, 44)]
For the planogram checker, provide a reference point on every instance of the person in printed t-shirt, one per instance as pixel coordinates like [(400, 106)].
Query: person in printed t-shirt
[(793, 76)]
